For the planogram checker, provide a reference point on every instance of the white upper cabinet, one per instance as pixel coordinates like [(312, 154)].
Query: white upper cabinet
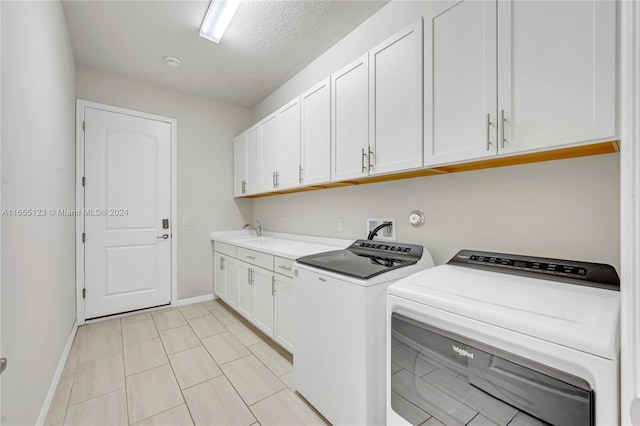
[(241, 158), (395, 102), (288, 171), (460, 83), (254, 161), (316, 134), (556, 73), (518, 76), (280, 134), (270, 133), (350, 120)]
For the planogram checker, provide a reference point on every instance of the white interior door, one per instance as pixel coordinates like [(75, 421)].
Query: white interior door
[(127, 199)]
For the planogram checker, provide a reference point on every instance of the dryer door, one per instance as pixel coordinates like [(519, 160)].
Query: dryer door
[(457, 381)]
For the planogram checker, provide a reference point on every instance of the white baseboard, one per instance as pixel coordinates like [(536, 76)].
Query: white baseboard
[(197, 299), (56, 377)]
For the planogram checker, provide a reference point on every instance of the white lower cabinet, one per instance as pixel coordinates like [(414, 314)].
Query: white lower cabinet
[(226, 278), (283, 302), (259, 294), (255, 296), (246, 292), (262, 282), (283, 311)]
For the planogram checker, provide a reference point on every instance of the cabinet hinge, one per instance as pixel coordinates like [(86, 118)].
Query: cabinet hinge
[(84, 181), (84, 293), (84, 237)]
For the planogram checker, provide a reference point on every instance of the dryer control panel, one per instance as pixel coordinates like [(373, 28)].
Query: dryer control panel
[(569, 271)]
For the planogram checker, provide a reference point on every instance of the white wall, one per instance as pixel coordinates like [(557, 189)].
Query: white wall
[(566, 209), (205, 163), (38, 171)]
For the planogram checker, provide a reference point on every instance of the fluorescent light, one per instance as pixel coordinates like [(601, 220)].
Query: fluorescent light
[(218, 18)]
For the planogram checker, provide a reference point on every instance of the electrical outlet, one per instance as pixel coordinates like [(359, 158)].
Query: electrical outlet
[(387, 233)]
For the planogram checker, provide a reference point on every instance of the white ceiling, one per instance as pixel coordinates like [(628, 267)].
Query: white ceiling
[(267, 43)]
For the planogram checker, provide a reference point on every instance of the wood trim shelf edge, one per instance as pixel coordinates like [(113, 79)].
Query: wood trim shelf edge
[(535, 157)]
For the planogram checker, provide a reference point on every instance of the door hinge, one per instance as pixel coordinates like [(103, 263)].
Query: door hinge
[(84, 181), (84, 293), (84, 237)]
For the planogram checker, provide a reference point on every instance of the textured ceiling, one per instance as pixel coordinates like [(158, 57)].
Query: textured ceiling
[(266, 44)]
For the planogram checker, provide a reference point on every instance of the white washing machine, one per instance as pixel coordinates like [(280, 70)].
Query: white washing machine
[(503, 339), (340, 336)]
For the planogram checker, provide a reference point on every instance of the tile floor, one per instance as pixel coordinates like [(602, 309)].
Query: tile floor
[(197, 364)]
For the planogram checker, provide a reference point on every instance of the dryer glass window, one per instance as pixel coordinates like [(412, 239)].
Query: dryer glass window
[(457, 381)]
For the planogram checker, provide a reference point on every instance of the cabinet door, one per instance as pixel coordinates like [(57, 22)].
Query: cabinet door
[(270, 134), (316, 134), (395, 102), (219, 276), (284, 319), (289, 161), (263, 291), (460, 104), (254, 163), (557, 73), (231, 280), (350, 120), (246, 294), (240, 160)]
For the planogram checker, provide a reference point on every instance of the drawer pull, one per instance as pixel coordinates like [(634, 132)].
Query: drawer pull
[(286, 268), (322, 279), (251, 257)]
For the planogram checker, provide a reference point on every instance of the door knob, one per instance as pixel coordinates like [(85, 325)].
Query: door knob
[(163, 237)]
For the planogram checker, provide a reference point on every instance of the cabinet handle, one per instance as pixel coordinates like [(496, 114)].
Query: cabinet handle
[(502, 120), (300, 174), (286, 268), (277, 180), (488, 132), (322, 279), (222, 263), (369, 159), (251, 257), (273, 179), (273, 285), (362, 161)]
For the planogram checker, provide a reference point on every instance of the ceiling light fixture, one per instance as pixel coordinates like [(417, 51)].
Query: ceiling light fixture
[(218, 18)]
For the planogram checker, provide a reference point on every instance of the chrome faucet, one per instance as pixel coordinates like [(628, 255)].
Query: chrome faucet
[(258, 229)]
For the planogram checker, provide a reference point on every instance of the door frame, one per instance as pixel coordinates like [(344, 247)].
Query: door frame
[(629, 51), (81, 104)]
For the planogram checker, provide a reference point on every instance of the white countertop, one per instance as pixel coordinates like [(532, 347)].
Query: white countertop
[(291, 246)]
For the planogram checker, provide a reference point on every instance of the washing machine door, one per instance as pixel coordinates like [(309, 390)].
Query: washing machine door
[(457, 380)]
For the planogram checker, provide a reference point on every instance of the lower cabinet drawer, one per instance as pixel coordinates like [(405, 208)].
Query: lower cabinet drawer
[(257, 258), (225, 248), (284, 266)]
